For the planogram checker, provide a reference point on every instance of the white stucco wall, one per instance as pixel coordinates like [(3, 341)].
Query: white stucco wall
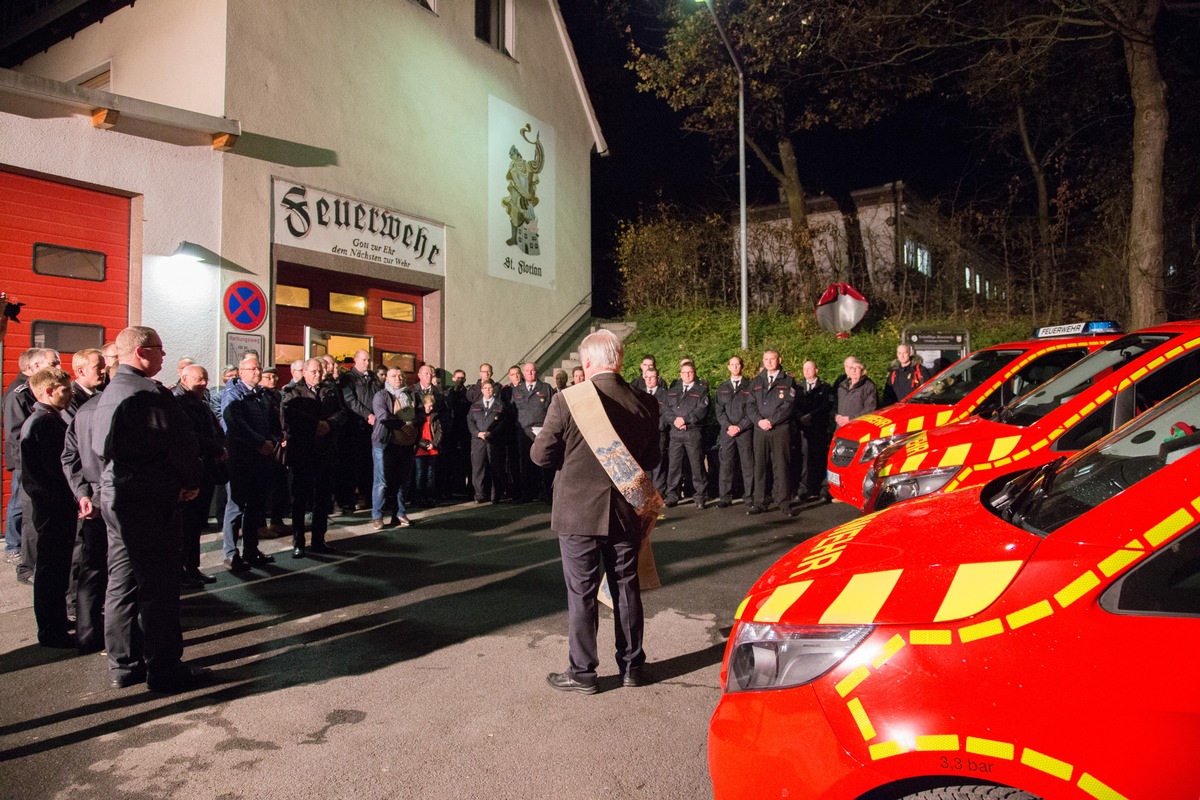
[(387, 103), (180, 191), (165, 51)]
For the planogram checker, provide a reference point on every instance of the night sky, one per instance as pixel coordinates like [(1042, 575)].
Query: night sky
[(924, 144)]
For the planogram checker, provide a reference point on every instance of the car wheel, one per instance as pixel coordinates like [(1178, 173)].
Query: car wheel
[(971, 793)]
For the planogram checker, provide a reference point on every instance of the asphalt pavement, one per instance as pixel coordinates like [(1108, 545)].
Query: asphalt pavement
[(411, 665)]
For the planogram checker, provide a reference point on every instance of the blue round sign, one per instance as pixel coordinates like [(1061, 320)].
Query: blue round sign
[(245, 305)]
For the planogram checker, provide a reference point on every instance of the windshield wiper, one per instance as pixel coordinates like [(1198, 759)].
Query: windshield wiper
[(1040, 481)]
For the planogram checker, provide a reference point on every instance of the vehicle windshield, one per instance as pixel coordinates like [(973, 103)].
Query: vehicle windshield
[(1044, 499), (962, 378), (1084, 373)]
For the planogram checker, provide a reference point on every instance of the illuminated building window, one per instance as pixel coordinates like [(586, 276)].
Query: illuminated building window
[(68, 262), (399, 311), (293, 296), (287, 353), (405, 361), (348, 304)]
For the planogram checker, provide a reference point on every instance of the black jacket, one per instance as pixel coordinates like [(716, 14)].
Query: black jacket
[(733, 408), (772, 401)]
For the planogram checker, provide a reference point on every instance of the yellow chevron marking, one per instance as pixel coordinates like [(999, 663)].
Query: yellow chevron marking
[(975, 587), (1195, 505), (885, 471), (930, 637), (862, 598), (1004, 462), (741, 608), (860, 718), (955, 456), (1134, 544), (886, 750), (1077, 588), (915, 424), (1021, 455), (1029, 614), (890, 649), (780, 601), (1046, 764), (981, 631), (937, 742), (1071, 420), (1173, 352), (989, 747), (913, 463), (1137, 375), (1088, 409), (1104, 397), (1054, 434), (944, 417), (887, 430), (1002, 447), (1038, 445), (1156, 363), (1118, 561), (1097, 789), (1123, 385), (849, 683), (866, 437), (1168, 527)]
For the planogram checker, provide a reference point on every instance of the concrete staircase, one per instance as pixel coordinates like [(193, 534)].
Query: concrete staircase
[(620, 328)]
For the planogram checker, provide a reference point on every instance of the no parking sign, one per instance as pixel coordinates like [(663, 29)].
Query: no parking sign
[(245, 305)]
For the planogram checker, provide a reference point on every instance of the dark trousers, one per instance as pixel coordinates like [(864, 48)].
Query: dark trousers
[(659, 475), (193, 518), (773, 458), (143, 584), (486, 469), (48, 538), (686, 443), (312, 489), (739, 449), (581, 559), (356, 474), (246, 511), (279, 498), (814, 449), (512, 462), (536, 482), (91, 583)]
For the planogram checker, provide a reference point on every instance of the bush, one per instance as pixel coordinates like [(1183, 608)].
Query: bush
[(710, 336)]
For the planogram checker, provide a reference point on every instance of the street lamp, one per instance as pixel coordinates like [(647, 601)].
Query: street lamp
[(737, 64)]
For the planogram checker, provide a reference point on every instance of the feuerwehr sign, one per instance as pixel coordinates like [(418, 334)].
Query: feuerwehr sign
[(313, 219)]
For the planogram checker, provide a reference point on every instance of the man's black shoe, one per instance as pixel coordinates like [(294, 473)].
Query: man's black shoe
[(701, 503), (126, 679), (634, 677), (565, 683), (322, 548), (297, 552), (182, 679), (258, 559), (789, 510), (670, 502), (188, 582), (753, 510), (723, 503), (235, 564), (197, 575)]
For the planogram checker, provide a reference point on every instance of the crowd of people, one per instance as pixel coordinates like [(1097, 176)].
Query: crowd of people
[(101, 460)]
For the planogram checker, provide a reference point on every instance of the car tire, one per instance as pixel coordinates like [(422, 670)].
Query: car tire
[(971, 793)]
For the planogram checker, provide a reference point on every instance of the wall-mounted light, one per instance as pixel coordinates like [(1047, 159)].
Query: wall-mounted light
[(190, 251)]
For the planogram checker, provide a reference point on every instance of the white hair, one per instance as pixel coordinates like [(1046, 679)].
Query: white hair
[(602, 349)]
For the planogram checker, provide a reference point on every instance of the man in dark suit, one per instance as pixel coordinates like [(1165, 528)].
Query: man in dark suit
[(531, 401), (485, 421), (658, 390), (814, 401), (685, 410), (594, 521), (773, 393), (736, 441), (82, 468), (151, 465)]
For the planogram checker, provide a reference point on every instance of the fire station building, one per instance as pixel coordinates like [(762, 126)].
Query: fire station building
[(295, 177)]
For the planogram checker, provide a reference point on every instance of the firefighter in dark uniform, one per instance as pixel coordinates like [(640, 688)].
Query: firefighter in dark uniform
[(814, 404), (485, 424), (82, 468), (905, 376), (314, 415), (685, 410), (658, 390), (151, 465), (49, 505), (531, 400), (773, 393), (736, 433)]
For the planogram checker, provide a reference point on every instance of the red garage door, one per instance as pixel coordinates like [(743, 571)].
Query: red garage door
[(64, 253)]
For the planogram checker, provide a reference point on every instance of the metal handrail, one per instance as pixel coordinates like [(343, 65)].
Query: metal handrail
[(558, 329)]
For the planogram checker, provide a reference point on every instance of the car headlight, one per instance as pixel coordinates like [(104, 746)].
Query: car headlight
[(775, 656), (873, 448), (908, 485)]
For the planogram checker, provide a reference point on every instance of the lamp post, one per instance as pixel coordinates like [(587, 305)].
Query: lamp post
[(737, 64)]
